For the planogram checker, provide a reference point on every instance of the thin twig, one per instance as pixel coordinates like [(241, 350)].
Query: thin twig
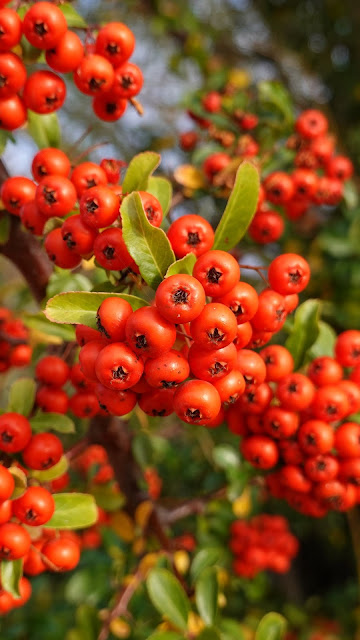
[(121, 604), (137, 106)]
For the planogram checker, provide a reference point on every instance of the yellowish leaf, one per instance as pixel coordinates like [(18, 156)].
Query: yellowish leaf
[(189, 176), (123, 525)]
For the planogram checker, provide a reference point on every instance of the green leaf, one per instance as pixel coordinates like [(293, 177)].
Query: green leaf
[(20, 480), (43, 421), (230, 630), (324, 343), (44, 129), (273, 95), (162, 189), (80, 307), (139, 171), (4, 137), (147, 245), (73, 18), (62, 281), (73, 511), (87, 586), (204, 559), (168, 597), (304, 331), (226, 456), (54, 472), (4, 228), (22, 396), (271, 627), (11, 573), (106, 498), (240, 208), (184, 265), (206, 595), (39, 322)]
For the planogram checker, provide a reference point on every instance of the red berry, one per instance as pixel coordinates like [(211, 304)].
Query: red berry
[(289, 273), (67, 54), (190, 234), (64, 553), (7, 484), (15, 432), (44, 92), (35, 507), (117, 367), (197, 402), (116, 42), (50, 161), (148, 333), (14, 541), (44, 25), (43, 451), (53, 371)]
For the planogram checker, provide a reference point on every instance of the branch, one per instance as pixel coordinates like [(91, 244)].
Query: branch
[(121, 604), (26, 253), (113, 434)]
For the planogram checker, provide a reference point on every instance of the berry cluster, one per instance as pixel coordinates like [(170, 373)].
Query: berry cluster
[(14, 348), (148, 355), (101, 69), (301, 427), (34, 508), (314, 176), (89, 200), (264, 542)]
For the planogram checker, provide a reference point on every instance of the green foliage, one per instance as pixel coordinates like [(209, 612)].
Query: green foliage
[(184, 265), (39, 322), (276, 99), (161, 188), (139, 171), (55, 471), (206, 595), (80, 307), (44, 129), (47, 421), (271, 627), (204, 559), (147, 245), (240, 208), (168, 597), (304, 331), (11, 573), (73, 18), (73, 511), (22, 396)]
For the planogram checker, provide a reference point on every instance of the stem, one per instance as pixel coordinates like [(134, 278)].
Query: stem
[(121, 604), (137, 106)]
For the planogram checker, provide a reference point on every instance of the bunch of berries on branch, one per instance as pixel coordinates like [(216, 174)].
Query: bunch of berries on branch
[(182, 353), (262, 543), (100, 68), (303, 429), (89, 201), (311, 172)]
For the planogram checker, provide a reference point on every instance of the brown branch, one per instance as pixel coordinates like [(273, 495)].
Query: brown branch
[(113, 434), (121, 605), (26, 253)]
